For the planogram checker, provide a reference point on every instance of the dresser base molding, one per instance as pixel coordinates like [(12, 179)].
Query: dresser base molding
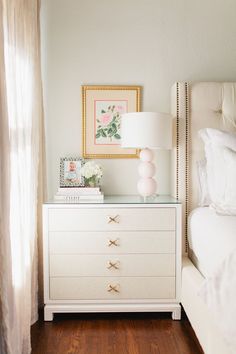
[(49, 310)]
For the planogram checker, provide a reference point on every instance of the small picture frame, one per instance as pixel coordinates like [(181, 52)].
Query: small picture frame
[(70, 172), (103, 107)]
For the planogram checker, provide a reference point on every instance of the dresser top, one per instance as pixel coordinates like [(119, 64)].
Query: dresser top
[(121, 199)]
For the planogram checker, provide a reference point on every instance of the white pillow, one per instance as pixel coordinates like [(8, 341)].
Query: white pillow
[(220, 150), (228, 204), (203, 190), (218, 137)]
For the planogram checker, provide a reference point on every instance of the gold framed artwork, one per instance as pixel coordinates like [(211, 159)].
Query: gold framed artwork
[(102, 109)]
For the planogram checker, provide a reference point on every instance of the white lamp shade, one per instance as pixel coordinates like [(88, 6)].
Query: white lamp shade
[(146, 129)]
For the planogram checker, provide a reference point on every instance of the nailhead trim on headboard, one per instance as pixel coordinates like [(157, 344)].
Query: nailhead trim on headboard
[(177, 140), (187, 197), (183, 122)]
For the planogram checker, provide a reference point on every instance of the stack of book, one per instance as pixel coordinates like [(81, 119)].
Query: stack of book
[(80, 194)]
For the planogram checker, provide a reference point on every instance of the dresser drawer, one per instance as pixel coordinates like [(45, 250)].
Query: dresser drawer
[(112, 288), (111, 242), (111, 219), (122, 265)]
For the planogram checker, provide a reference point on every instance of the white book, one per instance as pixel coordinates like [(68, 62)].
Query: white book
[(79, 191), (91, 197), (78, 198)]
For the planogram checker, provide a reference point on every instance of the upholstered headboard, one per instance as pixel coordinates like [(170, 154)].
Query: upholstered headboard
[(195, 106)]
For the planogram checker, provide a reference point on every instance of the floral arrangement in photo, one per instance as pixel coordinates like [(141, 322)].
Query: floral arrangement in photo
[(92, 173), (108, 123)]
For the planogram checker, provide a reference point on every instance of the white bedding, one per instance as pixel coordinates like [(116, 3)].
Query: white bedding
[(219, 293), (211, 238), (212, 241)]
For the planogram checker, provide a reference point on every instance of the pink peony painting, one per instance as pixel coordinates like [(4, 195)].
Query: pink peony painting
[(108, 120)]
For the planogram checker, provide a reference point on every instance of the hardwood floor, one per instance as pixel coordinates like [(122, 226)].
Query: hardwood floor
[(132, 333)]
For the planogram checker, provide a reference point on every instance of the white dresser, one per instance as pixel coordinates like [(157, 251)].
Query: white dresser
[(120, 255)]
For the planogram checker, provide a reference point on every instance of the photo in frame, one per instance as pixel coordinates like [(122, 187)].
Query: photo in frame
[(102, 110), (70, 172)]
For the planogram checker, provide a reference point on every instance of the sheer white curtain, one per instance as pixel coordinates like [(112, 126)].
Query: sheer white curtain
[(21, 144)]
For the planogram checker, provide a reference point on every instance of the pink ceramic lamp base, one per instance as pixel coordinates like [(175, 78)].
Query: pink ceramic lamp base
[(146, 184)]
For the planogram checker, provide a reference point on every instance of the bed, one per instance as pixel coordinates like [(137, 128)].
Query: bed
[(211, 237), (196, 106)]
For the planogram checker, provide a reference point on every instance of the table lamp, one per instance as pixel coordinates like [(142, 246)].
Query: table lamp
[(146, 130)]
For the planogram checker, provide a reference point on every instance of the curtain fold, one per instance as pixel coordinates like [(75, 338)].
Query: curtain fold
[(5, 246), (21, 132)]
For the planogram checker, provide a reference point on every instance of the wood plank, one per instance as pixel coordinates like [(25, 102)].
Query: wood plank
[(136, 333)]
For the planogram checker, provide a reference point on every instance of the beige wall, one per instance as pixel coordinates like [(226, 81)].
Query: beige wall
[(152, 43)]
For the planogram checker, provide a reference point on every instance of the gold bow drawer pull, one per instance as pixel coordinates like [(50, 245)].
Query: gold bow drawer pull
[(113, 219), (113, 288), (113, 265), (113, 242)]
